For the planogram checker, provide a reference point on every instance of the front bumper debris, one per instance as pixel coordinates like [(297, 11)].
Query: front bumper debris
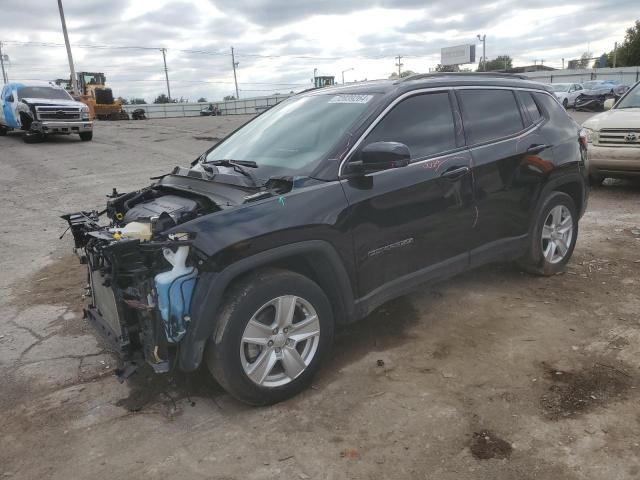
[(130, 282)]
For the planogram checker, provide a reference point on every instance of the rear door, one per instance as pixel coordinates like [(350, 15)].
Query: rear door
[(411, 223), (510, 158)]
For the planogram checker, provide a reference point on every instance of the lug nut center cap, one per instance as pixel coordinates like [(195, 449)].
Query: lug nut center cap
[(279, 340)]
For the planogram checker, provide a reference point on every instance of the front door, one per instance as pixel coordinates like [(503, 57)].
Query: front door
[(412, 222)]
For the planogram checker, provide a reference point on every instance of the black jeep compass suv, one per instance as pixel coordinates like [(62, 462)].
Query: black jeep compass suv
[(321, 209)]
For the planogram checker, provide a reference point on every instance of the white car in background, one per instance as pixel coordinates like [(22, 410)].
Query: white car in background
[(614, 138), (566, 93)]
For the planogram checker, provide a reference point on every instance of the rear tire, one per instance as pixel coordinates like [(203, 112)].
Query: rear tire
[(3, 131), (260, 357), (86, 136), (553, 237)]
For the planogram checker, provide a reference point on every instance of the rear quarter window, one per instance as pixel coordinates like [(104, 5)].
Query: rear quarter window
[(530, 106), (555, 111), (490, 114)]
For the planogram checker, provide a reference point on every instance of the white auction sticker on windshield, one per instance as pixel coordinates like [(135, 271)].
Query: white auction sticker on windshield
[(351, 98)]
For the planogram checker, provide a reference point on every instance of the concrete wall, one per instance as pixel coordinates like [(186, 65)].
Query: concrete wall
[(624, 75), (232, 107)]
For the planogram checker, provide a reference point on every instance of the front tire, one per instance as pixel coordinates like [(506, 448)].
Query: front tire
[(33, 137), (553, 237), (596, 180), (565, 103), (3, 131), (274, 328), (86, 136)]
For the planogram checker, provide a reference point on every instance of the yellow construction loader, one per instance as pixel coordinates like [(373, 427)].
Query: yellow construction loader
[(98, 97)]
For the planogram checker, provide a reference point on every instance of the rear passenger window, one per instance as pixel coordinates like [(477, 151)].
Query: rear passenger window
[(530, 106), (424, 123), (490, 114)]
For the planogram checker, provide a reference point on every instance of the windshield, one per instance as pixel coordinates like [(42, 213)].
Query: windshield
[(560, 87), (292, 137), (49, 93), (631, 99)]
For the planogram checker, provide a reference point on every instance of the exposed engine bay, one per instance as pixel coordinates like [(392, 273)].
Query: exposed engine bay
[(140, 278)]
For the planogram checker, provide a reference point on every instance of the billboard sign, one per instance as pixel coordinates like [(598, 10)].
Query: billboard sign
[(458, 55)]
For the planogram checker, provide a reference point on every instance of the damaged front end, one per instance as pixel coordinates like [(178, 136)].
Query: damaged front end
[(140, 280)]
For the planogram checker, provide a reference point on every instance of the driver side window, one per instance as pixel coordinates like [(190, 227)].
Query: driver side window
[(424, 123)]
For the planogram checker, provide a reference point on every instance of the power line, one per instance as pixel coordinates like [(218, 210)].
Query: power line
[(208, 52)]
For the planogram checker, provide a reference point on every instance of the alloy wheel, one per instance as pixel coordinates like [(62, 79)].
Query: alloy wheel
[(557, 234), (280, 341)]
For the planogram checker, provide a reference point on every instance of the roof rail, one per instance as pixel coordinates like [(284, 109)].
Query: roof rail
[(420, 76)]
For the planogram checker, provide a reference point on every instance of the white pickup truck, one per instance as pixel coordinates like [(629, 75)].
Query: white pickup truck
[(41, 110)]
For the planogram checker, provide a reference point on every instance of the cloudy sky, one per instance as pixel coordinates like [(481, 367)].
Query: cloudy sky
[(279, 42)]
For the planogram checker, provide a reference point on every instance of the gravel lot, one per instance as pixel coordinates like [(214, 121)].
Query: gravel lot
[(492, 375)]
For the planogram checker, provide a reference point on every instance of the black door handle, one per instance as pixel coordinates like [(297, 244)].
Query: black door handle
[(455, 172), (537, 148)]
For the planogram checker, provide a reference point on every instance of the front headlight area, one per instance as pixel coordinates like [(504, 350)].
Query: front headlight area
[(592, 135), (84, 112)]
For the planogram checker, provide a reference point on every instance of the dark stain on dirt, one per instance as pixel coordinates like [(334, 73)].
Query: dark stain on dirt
[(208, 139), (486, 445), (441, 351), (383, 329), (58, 283), (148, 389), (574, 393)]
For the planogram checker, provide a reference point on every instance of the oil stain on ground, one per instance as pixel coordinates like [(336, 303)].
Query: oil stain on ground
[(58, 283), (574, 393), (486, 445), (148, 389)]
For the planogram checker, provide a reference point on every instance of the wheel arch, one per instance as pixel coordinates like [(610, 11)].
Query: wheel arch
[(575, 190), (315, 259)]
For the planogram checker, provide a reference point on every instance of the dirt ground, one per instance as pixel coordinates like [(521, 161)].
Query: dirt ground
[(495, 374)]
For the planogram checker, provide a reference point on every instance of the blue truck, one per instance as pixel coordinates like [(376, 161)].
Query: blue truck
[(42, 109)]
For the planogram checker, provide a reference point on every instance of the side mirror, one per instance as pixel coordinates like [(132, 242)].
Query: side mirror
[(379, 156), (608, 103)]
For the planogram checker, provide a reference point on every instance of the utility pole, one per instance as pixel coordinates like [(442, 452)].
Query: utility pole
[(563, 63), (483, 39), (74, 84), (615, 54), (399, 65), (234, 64), (4, 75), (166, 71)]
